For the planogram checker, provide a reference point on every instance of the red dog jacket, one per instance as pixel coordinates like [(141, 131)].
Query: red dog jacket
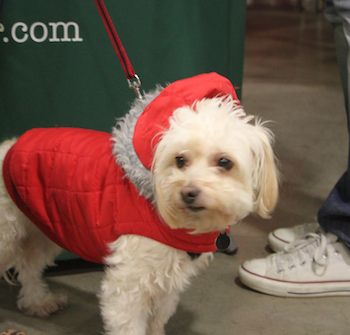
[(68, 183)]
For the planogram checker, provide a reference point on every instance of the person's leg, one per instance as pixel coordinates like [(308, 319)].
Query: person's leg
[(318, 264), (334, 215)]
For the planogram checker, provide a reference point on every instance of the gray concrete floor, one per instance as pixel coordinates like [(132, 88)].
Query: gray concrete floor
[(291, 78)]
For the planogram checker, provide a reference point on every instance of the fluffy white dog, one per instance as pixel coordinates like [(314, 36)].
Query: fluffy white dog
[(210, 166)]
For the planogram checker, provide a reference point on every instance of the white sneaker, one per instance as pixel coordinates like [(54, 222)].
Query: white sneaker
[(318, 265), (282, 237)]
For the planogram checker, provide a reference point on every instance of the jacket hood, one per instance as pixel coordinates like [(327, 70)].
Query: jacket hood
[(155, 118)]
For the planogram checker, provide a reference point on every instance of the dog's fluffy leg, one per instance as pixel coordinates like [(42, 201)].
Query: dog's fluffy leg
[(10, 230), (141, 285), (35, 298), (163, 308), (124, 304), (25, 248), (125, 297), (134, 312)]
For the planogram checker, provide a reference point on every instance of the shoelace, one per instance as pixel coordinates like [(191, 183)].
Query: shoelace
[(313, 247)]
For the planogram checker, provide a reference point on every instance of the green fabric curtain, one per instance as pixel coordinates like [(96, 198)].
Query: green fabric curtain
[(58, 68)]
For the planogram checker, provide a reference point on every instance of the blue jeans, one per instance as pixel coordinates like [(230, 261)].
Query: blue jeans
[(334, 215)]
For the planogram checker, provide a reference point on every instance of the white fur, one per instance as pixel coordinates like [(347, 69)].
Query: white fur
[(144, 278)]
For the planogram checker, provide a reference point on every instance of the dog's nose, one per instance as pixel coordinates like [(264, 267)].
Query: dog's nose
[(189, 194)]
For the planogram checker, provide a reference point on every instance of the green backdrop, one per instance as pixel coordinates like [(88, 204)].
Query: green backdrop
[(58, 68)]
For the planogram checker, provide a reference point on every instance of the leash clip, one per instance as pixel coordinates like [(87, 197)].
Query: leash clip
[(135, 84)]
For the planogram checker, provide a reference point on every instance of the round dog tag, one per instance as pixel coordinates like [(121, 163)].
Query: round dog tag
[(222, 241)]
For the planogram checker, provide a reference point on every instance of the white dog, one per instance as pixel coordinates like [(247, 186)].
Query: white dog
[(204, 166)]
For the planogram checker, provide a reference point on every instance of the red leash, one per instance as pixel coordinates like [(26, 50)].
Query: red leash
[(132, 78)]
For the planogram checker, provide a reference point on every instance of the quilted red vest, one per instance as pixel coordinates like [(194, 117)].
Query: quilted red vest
[(68, 183)]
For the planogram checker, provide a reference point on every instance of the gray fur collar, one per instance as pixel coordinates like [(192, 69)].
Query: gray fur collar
[(123, 149)]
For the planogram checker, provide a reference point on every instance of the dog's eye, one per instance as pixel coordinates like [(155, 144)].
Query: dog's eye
[(180, 161), (225, 163)]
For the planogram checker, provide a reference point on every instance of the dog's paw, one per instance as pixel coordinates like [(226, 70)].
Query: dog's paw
[(43, 307)]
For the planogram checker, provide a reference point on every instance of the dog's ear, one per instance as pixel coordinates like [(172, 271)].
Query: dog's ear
[(266, 176)]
